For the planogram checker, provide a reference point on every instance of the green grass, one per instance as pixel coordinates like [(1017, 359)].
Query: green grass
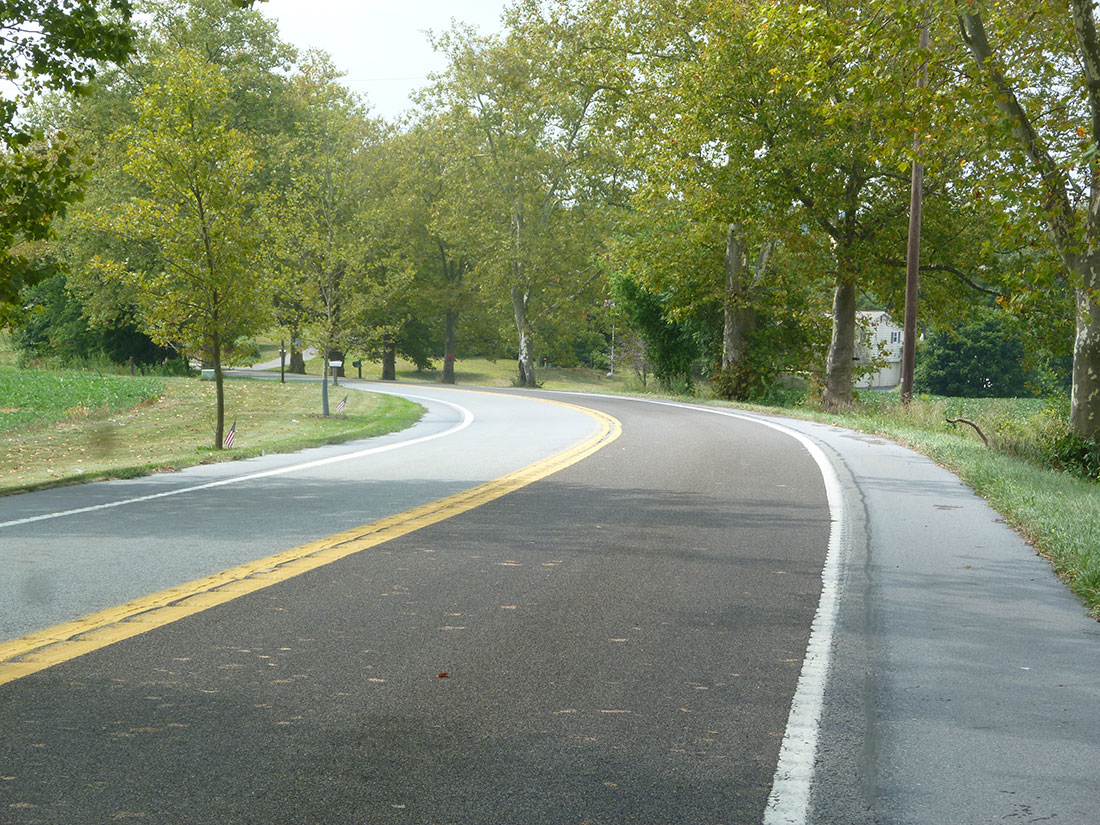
[(40, 397), (172, 429)]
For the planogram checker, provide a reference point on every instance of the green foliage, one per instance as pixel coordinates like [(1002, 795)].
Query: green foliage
[(986, 359), (55, 328), (414, 341), (52, 45), (46, 46), (338, 270), (531, 108), (1080, 456), (671, 348), (201, 285), (195, 174)]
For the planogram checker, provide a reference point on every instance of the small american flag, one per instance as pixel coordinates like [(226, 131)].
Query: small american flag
[(342, 404), (229, 436)]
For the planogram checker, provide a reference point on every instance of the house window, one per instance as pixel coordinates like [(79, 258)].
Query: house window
[(895, 337)]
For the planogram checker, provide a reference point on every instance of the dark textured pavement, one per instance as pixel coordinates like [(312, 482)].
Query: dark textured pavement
[(617, 643)]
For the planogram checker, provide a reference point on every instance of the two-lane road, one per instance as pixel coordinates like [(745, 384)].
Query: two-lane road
[(621, 640), (615, 635)]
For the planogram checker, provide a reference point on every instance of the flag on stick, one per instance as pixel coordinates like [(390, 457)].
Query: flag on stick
[(229, 436), (342, 404)]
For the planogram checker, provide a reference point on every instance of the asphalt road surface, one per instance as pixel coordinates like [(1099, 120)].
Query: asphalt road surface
[(621, 641)]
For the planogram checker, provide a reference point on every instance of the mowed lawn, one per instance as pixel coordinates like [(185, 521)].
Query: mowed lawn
[(59, 426)]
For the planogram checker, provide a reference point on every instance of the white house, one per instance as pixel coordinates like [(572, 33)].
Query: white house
[(879, 345)]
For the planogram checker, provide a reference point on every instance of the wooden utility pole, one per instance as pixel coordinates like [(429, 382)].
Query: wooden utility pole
[(912, 258)]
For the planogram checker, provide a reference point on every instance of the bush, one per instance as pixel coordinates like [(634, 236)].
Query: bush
[(54, 330), (986, 359), (1077, 455), (171, 368)]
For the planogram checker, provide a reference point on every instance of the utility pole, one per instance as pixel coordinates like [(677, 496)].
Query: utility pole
[(912, 258)]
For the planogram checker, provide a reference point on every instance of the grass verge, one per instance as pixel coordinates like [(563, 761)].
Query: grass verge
[(174, 427)]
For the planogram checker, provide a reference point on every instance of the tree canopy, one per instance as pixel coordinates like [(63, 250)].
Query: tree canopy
[(726, 181)]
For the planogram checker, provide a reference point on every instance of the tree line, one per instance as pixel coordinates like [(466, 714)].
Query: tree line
[(723, 182)]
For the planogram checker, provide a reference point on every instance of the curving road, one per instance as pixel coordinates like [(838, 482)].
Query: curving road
[(621, 641)]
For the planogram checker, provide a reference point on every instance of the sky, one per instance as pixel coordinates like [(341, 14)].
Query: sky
[(379, 43)]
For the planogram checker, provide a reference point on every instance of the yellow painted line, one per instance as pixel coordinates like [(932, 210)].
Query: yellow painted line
[(61, 643)]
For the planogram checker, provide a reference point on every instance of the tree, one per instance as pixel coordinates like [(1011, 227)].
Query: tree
[(1040, 74), (434, 188), (56, 328), (985, 359), (204, 287), (536, 122), (671, 347), (246, 49), (338, 261), (46, 46)]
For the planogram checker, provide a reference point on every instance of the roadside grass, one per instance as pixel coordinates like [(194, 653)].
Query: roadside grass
[(174, 427), (38, 397)]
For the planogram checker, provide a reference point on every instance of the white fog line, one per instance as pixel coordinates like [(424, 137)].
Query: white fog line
[(789, 802), (467, 420)]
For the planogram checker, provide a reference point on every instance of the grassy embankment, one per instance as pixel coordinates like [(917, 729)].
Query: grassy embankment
[(60, 426)]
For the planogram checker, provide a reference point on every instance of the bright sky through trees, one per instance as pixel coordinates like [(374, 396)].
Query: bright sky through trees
[(381, 44)]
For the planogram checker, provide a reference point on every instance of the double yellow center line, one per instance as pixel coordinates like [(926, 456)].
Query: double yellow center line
[(45, 648)]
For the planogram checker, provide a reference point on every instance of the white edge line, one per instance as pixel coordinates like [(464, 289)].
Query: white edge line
[(467, 420), (789, 802)]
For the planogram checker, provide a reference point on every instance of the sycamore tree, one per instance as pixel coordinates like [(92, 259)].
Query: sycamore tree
[(201, 287), (534, 118), (1036, 71), (702, 233), (433, 192), (832, 131)]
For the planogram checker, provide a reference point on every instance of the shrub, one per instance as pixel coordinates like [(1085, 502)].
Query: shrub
[(985, 359), (1077, 455)]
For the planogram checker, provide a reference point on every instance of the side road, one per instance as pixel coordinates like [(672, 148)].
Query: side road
[(965, 678)]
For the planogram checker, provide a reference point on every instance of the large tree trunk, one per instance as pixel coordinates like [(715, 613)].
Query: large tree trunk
[(1085, 395), (449, 323), (739, 316), (297, 365), (842, 347), (389, 359), (526, 359)]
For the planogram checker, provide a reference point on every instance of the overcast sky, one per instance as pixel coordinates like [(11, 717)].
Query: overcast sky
[(379, 43)]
